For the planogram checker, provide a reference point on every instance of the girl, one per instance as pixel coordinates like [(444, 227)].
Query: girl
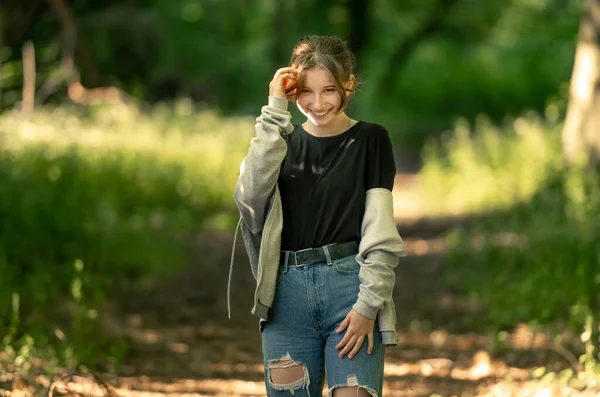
[(317, 220)]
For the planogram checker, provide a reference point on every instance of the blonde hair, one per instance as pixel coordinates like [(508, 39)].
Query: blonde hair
[(328, 52)]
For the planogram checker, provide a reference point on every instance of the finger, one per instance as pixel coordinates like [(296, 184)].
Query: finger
[(343, 325), (371, 343), (284, 70), (357, 346), (344, 341), (282, 81), (348, 346)]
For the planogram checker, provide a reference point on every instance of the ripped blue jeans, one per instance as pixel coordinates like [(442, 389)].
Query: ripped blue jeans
[(310, 304)]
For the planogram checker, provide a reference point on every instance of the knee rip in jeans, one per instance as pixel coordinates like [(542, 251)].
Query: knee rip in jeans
[(351, 388), (286, 374)]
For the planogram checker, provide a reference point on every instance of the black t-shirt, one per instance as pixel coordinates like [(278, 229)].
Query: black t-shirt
[(323, 183)]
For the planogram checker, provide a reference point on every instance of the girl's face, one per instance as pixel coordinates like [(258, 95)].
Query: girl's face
[(318, 99)]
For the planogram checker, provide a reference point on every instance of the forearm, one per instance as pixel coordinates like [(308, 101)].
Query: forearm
[(379, 252), (260, 169), (377, 279)]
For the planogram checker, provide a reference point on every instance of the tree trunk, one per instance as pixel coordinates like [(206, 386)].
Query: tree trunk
[(278, 56), (359, 27), (581, 133), (28, 99)]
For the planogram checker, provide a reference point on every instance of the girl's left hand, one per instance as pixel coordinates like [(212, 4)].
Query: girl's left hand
[(358, 327)]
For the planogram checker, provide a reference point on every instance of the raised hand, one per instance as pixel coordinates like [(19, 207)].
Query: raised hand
[(281, 80)]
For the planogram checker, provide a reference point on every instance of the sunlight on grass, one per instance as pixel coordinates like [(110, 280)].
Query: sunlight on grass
[(119, 188), (487, 167), (206, 145), (529, 252)]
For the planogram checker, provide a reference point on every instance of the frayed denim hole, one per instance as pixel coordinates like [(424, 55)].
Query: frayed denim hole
[(287, 362), (352, 380)]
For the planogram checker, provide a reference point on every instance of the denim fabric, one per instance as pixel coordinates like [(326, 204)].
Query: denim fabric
[(310, 303)]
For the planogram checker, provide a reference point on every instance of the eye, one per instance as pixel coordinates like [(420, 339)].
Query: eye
[(330, 90)]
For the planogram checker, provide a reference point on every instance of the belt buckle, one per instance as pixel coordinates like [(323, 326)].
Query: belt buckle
[(296, 257)]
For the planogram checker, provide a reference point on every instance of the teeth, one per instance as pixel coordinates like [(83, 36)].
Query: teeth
[(321, 114)]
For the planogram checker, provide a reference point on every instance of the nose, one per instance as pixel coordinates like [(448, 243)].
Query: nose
[(318, 102)]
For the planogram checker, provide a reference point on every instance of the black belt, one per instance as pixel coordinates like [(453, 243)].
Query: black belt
[(318, 255)]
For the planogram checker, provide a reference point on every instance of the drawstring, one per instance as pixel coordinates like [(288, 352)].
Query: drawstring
[(231, 270)]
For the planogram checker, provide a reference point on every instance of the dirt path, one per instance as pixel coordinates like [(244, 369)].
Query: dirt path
[(184, 344)]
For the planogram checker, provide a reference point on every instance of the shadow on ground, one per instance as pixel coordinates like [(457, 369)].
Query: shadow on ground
[(182, 341)]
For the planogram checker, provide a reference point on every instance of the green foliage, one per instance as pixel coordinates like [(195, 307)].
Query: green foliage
[(92, 201), (495, 58), (485, 58), (488, 167), (532, 254)]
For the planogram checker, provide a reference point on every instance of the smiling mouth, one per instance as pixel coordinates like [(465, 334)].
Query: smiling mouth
[(320, 114)]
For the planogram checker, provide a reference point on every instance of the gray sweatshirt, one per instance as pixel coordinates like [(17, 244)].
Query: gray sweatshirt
[(258, 199)]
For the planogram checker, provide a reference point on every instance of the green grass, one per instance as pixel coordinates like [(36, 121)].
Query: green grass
[(92, 200), (488, 167), (531, 251)]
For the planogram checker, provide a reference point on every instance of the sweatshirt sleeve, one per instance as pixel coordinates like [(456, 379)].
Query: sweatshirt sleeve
[(378, 254), (260, 168)]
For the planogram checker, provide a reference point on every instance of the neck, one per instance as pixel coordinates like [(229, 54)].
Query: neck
[(338, 125)]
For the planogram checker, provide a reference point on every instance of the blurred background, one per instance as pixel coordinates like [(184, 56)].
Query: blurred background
[(122, 127), (423, 63)]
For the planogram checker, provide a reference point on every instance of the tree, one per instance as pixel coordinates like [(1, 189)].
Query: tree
[(432, 25), (359, 26), (581, 133)]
